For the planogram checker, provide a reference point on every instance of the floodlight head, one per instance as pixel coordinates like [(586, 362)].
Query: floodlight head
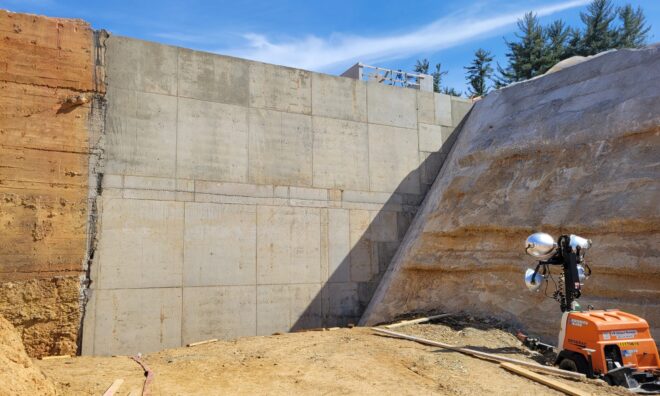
[(540, 245), (532, 282)]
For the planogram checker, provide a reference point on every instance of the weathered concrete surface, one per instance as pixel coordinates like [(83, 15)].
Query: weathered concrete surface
[(44, 150), (572, 152), (241, 198)]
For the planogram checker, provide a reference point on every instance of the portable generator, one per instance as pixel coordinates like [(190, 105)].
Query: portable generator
[(609, 344)]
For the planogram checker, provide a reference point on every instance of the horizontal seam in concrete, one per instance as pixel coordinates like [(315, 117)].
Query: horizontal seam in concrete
[(218, 285), (277, 110)]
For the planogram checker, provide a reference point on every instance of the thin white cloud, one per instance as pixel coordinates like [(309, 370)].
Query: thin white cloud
[(315, 53)]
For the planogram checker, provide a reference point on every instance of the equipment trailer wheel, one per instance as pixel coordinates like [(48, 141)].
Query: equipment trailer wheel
[(568, 365), (571, 361)]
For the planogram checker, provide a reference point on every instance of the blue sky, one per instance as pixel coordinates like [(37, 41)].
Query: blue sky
[(327, 36)]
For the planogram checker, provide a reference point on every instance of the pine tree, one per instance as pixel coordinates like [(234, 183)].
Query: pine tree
[(479, 72), (556, 37), (450, 91), (633, 30), (422, 66), (572, 43), (526, 56), (599, 34)]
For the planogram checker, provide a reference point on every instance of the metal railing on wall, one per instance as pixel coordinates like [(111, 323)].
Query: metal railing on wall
[(361, 71)]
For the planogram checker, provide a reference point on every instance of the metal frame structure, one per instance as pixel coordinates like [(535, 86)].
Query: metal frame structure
[(361, 71)]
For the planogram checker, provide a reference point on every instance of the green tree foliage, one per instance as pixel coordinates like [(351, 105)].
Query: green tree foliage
[(539, 48), (633, 30), (556, 35), (525, 56), (451, 91), (479, 72), (423, 65), (599, 32)]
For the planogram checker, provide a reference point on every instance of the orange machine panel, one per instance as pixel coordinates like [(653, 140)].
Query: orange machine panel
[(611, 333)]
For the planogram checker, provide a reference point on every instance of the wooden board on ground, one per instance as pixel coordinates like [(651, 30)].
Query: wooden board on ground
[(114, 387), (483, 355), (416, 321), (554, 384)]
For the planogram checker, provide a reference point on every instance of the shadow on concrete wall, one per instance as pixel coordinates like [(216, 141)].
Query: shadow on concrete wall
[(341, 304)]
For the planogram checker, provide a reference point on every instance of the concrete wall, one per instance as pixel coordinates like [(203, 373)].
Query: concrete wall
[(241, 198), (44, 157)]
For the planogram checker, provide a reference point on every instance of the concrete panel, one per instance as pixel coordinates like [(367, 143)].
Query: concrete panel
[(223, 312), (370, 197), (318, 194), (140, 244), (213, 254), (280, 88), (219, 244), (360, 238), (431, 163), (273, 309), (341, 150), (430, 137), (240, 189), (212, 141), (339, 97), (339, 245), (288, 245), (425, 107), (140, 133), (281, 308), (140, 65), (343, 301), (305, 306), (443, 109), (129, 321), (383, 227), (392, 105), (280, 148), (459, 108), (148, 183), (213, 77), (393, 159)]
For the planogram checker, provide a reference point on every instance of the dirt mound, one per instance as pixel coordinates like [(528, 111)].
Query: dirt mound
[(18, 376), (339, 362)]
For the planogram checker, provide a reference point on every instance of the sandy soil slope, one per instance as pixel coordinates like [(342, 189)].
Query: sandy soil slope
[(345, 361)]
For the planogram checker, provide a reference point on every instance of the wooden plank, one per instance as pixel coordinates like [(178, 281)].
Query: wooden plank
[(56, 357), (483, 355), (554, 384), (416, 321), (202, 342), (114, 387)]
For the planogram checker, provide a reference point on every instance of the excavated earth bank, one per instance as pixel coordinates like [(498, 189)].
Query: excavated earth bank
[(573, 152), (18, 374)]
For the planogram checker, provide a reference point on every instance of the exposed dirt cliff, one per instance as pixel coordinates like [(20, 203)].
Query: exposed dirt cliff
[(47, 86), (18, 375), (576, 151)]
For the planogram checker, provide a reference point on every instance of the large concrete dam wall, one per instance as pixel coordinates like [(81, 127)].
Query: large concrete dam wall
[(241, 198), (571, 152)]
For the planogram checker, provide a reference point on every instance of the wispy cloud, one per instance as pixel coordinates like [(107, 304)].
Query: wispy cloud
[(320, 54)]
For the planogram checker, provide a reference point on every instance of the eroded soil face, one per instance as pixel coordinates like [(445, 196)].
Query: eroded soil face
[(345, 361)]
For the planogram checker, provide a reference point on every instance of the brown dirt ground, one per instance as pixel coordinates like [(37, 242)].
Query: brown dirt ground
[(344, 361)]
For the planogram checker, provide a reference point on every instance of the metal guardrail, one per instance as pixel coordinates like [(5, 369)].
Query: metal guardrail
[(361, 71)]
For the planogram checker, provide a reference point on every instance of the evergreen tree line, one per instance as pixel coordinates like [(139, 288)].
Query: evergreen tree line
[(537, 48)]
